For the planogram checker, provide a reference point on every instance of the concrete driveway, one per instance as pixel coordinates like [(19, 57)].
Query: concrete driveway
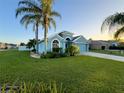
[(105, 56)]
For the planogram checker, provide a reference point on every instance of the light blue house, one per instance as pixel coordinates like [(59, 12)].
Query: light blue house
[(62, 39)]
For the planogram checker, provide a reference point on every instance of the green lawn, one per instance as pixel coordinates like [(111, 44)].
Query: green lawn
[(116, 52), (82, 74)]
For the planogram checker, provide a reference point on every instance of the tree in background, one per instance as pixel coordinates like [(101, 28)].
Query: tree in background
[(115, 20)]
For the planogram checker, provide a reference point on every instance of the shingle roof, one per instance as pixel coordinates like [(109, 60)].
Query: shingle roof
[(74, 38)]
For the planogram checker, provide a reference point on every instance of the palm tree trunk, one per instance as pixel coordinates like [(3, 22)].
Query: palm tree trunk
[(37, 47), (45, 38)]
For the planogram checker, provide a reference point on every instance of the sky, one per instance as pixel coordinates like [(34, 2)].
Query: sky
[(82, 17)]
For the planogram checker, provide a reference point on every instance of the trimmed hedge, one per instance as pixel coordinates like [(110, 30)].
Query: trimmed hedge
[(116, 48)]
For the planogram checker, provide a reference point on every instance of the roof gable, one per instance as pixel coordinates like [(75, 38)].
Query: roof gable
[(80, 39), (56, 36), (65, 33)]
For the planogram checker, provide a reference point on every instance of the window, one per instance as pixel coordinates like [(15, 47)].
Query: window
[(55, 44), (67, 43), (68, 39)]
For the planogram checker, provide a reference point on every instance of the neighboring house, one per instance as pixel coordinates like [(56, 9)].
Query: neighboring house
[(3, 45), (113, 43), (62, 40), (121, 44), (101, 44), (7, 46), (11, 46)]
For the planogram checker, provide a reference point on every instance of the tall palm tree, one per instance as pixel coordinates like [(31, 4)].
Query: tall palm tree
[(32, 14), (48, 17), (36, 21), (42, 10), (116, 20)]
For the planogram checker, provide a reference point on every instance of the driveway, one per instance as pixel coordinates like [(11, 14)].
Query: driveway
[(105, 56)]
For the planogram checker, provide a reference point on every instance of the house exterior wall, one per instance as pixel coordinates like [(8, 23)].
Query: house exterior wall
[(98, 46), (41, 48), (3, 45), (49, 44)]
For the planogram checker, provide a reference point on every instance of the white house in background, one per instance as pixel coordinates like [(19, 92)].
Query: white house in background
[(62, 39), (23, 48)]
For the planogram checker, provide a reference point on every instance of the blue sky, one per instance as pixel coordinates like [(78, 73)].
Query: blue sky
[(78, 16)]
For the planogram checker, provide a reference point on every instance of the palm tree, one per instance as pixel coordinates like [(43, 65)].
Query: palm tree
[(116, 20), (32, 14), (48, 18), (43, 11)]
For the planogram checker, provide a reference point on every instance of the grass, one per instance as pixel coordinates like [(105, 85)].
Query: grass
[(112, 52), (81, 74)]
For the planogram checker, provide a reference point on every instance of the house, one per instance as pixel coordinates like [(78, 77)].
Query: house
[(62, 40), (7, 46), (11, 46), (101, 44), (3, 45)]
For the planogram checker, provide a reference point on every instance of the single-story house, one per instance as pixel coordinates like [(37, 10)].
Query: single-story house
[(61, 40), (7, 46), (11, 46), (3, 45), (101, 44)]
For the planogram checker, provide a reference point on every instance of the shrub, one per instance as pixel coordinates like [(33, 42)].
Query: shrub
[(33, 50), (116, 48), (53, 55), (72, 50), (57, 50)]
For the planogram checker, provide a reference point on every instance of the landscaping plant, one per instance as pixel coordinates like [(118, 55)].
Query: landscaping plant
[(34, 88), (72, 50)]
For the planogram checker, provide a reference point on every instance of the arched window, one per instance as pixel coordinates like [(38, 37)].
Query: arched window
[(55, 44), (68, 42), (68, 39)]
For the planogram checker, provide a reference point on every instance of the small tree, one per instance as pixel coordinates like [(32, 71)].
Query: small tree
[(32, 44), (72, 50), (22, 44)]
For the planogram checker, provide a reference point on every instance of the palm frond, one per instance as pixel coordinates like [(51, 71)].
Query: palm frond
[(23, 10), (119, 33), (34, 27), (56, 14), (53, 22), (30, 4), (112, 20), (25, 18), (107, 23), (28, 22), (30, 19)]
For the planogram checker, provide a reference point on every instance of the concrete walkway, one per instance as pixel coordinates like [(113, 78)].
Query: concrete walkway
[(105, 56)]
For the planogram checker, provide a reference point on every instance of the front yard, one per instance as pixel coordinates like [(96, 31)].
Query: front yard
[(81, 74)]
